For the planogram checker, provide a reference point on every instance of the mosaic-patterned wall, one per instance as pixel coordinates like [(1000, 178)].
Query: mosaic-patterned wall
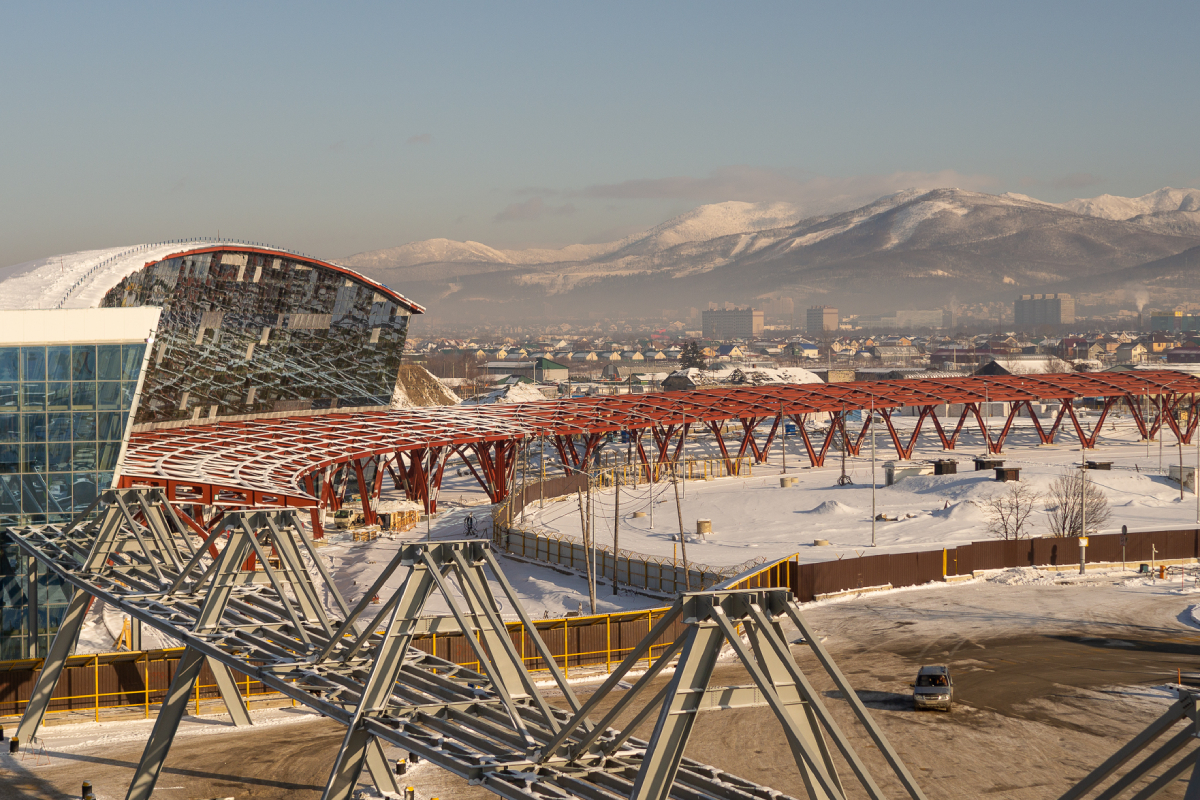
[(247, 333)]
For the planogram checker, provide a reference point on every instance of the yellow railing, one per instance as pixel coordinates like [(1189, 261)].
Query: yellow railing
[(143, 659), (774, 574)]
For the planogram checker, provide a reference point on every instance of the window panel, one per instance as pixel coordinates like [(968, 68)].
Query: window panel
[(10, 461), (112, 426), (58, 396), (33, 458), (108, 394), (58, 427), (84, 426), (58, 497), (84, 490), (10, 427), (83, 396), (59, 457), (33, 396), (108, 452), (84, 455), (108, 362), (58, 363), (33, 427), (10, 492), (33, 363), (83, 359), (8, 394), (10, 363), (131, 360), (33, 494), (104, 481)]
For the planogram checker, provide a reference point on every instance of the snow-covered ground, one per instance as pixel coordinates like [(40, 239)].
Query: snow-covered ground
[(754, 517)]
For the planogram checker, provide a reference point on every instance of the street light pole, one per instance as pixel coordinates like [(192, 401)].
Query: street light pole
[(872, 424)]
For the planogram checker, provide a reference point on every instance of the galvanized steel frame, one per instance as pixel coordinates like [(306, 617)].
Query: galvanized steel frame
[(491, 726)]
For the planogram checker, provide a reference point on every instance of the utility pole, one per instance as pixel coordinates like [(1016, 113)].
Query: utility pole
[(524, 475), (871, 422), (587, 564), (783, 439), (591, 542), (616, 526), (542, 464), (687, 573)]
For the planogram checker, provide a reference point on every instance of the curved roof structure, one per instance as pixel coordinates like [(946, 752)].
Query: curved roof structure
[(267, 461), (81, 279), (413, 307)]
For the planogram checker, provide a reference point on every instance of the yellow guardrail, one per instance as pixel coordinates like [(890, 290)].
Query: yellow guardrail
[(774, 574)]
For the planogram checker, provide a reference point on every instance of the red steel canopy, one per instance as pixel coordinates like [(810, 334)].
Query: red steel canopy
[(273, 462)]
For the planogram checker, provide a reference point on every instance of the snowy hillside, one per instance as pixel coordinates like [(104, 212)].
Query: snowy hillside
[(915, 248), (1108, 206), (698, 225)]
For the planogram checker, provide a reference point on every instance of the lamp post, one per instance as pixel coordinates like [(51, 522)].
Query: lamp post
[(871, 422)]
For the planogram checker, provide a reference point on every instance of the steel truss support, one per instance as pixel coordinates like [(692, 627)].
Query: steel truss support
[(1155, 762), (490, 725), (713, 620), (497, 462)]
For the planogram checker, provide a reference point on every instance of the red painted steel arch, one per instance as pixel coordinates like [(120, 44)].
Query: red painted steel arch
[(302, 461)]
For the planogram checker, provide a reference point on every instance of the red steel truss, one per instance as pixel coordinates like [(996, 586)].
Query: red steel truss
[(308, 461)]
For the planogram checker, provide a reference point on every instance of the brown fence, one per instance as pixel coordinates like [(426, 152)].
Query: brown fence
[(133, 681), (139, 680)]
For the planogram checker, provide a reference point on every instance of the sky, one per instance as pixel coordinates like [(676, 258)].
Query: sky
[(341, 128)]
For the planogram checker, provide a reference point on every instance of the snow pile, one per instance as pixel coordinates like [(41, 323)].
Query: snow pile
[(746, 376), (417, 387), (833, 507), (1020, 576), (514, 393)]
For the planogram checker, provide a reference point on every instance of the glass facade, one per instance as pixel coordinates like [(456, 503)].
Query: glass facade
[(32, 604), (64, 410), (246, 333)]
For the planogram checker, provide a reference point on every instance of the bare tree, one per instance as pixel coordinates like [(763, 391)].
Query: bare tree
[(1008, 512), (1065, 504)]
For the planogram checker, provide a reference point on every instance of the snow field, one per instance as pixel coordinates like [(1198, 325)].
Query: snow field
[(754, 517)]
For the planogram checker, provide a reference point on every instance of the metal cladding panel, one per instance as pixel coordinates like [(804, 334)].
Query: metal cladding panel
[(246, 333)]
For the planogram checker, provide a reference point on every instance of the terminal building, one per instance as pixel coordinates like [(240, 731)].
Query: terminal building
[(211, 333)]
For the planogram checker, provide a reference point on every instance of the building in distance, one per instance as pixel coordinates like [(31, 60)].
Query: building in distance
[(820, 319), (734, 323), (1035, 310)]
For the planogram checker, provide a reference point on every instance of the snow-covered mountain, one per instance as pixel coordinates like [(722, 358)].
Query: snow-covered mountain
[(909, 249)]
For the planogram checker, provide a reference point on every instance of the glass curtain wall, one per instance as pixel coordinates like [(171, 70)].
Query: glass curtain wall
[(63, 414), (64, 411)]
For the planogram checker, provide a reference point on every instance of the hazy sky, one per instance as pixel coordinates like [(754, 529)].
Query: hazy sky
[(338, 128)]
